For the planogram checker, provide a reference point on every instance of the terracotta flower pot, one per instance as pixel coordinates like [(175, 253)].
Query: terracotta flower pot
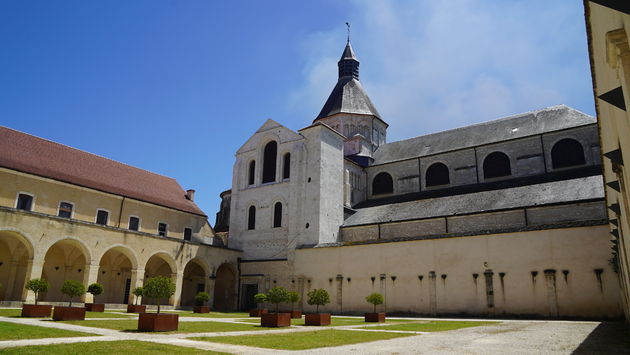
[(132, 308), (201, 309), (257, 312), (275, 320), (36, 310), (154, 322), (317, 319), (375, 317), (95, 307), (296, 314), (69, 313)]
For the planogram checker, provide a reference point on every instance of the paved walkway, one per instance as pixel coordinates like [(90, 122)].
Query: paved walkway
[(506, 337)]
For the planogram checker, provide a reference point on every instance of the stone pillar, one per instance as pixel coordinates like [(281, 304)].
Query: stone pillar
[(178, 278), (90, 276), (34, 270), (8, 292), (210, 289), (137, 279)]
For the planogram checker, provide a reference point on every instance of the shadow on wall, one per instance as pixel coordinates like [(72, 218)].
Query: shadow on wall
[(607, 338)]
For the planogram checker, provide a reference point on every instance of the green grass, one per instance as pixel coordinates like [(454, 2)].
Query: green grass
[(131, 325), (210, 315), (335, 321), (432, 326), (12, 331), (105, 348), (304, 340), (17, 312)]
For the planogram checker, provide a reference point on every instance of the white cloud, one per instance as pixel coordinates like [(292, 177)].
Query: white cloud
[(430, 66)]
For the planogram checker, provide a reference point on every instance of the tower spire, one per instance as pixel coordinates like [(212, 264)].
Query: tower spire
[(348, 24), (348, 64)]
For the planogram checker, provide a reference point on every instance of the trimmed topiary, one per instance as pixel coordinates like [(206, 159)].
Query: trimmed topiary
[(201, 298), (72, 288), (375, 299), (318, 297), (293, 298), (159, 287), (260, 298), (277, 295), (37, 286), (138, 293), (95, 289)]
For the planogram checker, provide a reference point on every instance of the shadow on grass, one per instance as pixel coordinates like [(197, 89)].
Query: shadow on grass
[(607, 338)]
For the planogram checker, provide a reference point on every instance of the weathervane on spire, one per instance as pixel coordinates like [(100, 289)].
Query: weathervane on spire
[(348, 24)]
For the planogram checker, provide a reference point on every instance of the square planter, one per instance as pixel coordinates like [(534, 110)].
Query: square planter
[(132, 308), (95, 307), (36, 310), (69, 313), (275, 320), (257, 312), (375, 317), (201, 309), (317, 319), (153, 322), (296, 314)]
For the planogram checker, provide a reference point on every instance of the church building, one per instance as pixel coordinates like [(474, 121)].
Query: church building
[(501, 218)]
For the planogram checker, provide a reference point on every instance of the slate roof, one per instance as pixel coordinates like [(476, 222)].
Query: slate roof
[(26, 153), (522, 125), (565, 191)]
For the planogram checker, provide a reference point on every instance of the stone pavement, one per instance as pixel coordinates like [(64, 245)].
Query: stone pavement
[(506, 337)]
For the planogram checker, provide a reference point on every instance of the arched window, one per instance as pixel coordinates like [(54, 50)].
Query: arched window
[(567, 152), (269, 162), (277, 215), (252, 171), (286, 166), (437, 174), (496, 164), (382, 184), (251, 218)]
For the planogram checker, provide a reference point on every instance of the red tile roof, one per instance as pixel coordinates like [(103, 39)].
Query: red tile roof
[(26, 153)]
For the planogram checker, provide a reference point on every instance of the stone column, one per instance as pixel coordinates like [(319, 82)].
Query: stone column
[(137, 279), (90, 276), (34, 270), (178, 278), (8, 293), (210, 289)]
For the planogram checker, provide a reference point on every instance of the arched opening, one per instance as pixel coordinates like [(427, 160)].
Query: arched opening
[(251, 218), (382, 184), (496, 164), (286, 166), (15, 252), (277, 215), (114, 273), (194, 282), (64, 260), (159, 265), (437, 174), (269, 162), (225, 288), (252, 171), (567, 152)]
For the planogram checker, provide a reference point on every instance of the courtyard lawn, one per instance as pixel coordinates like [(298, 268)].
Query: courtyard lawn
[(210, 315), (431, 326), (12, 331), (335, 321), (304, 340), (105, 348), (17, 312), (131, 325)]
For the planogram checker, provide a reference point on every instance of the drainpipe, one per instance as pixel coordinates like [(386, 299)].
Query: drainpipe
[(121, 209)]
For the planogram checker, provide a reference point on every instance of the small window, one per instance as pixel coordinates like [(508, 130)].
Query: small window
[(286, 171), (252, 171), (382, 184), (277, 215), (187, 233), (102, 217), (134, 223), (437, 174), (566, 153), (496, 164), (251, 218), (24, 202), (162, 229), (65, 210)]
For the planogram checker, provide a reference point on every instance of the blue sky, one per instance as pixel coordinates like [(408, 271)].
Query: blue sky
[(176, 87)]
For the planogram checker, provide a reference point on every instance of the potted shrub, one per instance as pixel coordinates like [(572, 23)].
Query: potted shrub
[(36, 310), (260, 299), (375, 299), (200, 299), (135, 307), (158, 287), (318, 297), (294, 297), (95, 289), (276, 296), (72, 289)]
